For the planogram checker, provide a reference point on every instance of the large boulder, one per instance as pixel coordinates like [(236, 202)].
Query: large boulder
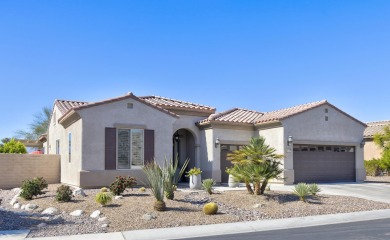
[(31, 207), (50, 211), (76, 213)]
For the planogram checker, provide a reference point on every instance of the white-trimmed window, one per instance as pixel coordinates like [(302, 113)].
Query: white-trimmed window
[(130, 148)]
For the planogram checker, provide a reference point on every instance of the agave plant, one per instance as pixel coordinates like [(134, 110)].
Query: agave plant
[(171, 177), (314, 189), (156, 184), (302, 191)]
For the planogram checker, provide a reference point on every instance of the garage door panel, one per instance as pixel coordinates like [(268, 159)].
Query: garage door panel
[(324, 166)]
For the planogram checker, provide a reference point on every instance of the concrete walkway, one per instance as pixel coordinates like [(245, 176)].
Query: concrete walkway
[(372, 191)]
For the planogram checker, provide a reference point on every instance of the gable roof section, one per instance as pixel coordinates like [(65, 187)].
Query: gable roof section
[(234, 115), (65, 105), (169, 103), (375, 127)]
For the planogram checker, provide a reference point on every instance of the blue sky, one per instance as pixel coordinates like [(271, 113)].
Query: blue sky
[(260, 55)]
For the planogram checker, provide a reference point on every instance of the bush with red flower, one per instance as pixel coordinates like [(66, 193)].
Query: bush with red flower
[(121, 183)]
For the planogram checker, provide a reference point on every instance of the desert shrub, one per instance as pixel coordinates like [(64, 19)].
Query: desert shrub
[(121, 183), (142, 189), (314, 189), (63, 194), (208, 185), (384, 162), (13, 146), (302, 191), (30, 188), (171, 176), (103, 197), (372, 167), (210, 208), (155, 182), (41, 182)]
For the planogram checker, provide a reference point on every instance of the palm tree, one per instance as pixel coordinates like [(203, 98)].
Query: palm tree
[(38, 126), (255, 163)]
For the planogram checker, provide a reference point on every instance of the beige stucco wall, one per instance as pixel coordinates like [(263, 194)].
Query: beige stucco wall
[(211, 155), (310, 127), (371, 150), (17, 167), (69, 170)]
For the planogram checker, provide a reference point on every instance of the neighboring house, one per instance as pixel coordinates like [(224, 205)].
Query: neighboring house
[(98, 141), (371, 150)]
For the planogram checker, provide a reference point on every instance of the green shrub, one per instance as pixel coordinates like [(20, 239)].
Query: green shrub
[(384, 162), (63, 194), (372, 167), (208, 185), (103, 197), (302, 191), (13, 146), (171, 176), (41, 182), (210, 208), (156, 184), (30, 189), (121, 183), (314, 189)]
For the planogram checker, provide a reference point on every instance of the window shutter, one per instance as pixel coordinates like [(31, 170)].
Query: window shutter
[(110, 149), (149, 146)]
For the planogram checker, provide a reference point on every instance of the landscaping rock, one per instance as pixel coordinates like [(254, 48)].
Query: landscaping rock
[(16, 190), (41, 225), (79, 192), (23, 207), (95, 214), (50, 211), (102, 219), (14, 200), (104, 225), (149, 216), (118, 197), (17, 205), (259, 205), (76, 213), (31, 207), (45, 218)]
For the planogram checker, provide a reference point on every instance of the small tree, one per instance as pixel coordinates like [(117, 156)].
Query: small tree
[(383, 141), (13, 146)]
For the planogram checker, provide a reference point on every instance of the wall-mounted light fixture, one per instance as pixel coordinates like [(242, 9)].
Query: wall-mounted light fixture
[(362, 143), (217, 142), (289, 140)]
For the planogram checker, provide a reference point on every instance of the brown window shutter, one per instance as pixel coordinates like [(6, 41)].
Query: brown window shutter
[(149, 146), (110, 148)]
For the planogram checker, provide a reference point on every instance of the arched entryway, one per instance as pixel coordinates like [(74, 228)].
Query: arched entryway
[(183, 142)]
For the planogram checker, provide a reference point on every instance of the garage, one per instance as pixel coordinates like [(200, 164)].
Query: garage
[(319, 163)]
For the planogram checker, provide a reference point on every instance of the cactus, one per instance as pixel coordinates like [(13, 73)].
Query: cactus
[(103, 189), (142, 189), (210, 208), (103, 198)]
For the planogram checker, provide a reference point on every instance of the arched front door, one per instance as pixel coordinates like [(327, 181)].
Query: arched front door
[(183, 142)]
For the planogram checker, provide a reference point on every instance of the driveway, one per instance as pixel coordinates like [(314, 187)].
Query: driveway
[(372, 191)]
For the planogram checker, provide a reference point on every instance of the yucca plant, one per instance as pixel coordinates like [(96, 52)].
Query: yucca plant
[(171, 177), (155, 178), (302, 191), (314, 189), (208, 185)]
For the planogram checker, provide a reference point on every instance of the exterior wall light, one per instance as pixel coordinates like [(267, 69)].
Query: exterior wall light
[(362, 143), (217, 142), (289, 140)]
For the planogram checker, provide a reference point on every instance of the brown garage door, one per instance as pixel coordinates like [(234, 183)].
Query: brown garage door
[(314, 163)]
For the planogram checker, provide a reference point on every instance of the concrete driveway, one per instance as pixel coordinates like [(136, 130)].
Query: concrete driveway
[(372, 191)]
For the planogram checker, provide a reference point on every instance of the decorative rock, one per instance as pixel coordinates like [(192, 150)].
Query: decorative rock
[(14, 200), (50, 211), (118, 197), (41, 225), (17, 205), (259, 205), (79, 192), (102, 219), (95, 214), (149, 216), (23, 207), (76, 213), (31, 207), (16, 190), (45, 218), (104, 225)]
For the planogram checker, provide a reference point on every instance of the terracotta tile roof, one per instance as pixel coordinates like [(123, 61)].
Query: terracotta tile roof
[(65, 105), (375, 127), (169, 103), (287, 112), (235, 115)]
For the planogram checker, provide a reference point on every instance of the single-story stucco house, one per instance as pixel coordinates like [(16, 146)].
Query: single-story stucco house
[(371, 150), (100, 140)]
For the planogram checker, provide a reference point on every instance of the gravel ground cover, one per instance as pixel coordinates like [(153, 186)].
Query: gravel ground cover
[(135, 210)]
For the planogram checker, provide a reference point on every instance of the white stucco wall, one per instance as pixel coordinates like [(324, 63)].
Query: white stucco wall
[(310, 127), (96, 119)]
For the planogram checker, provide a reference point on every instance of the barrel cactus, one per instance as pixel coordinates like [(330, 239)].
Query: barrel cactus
[(210, 208)]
